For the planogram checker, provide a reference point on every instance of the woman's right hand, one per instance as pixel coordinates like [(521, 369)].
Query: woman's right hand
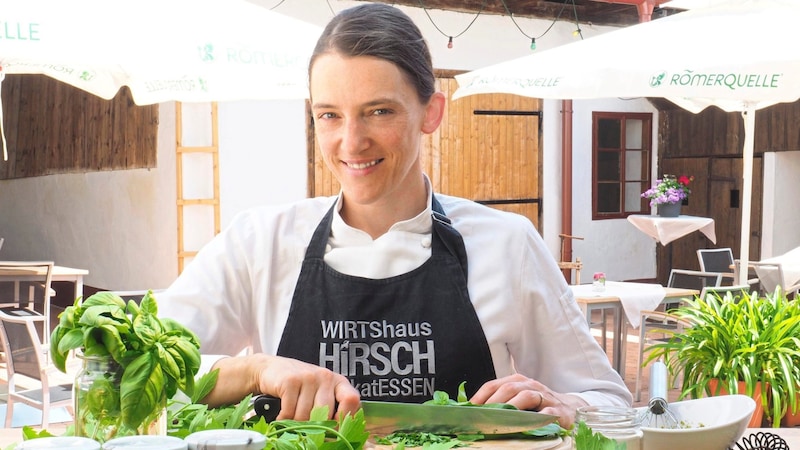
[(300, 386)]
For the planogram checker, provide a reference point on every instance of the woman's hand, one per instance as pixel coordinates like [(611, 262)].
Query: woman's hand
[(528, 394), (300, 386)]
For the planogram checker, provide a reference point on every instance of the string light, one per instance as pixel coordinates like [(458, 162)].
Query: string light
[(450, 38), (533, 38), (577, 31)]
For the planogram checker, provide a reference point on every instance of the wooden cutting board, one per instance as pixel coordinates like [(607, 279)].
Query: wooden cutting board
[(511, 444)]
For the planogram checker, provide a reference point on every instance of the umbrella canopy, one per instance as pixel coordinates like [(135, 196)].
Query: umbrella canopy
[(175, 50), (739, 55), (181, 50)]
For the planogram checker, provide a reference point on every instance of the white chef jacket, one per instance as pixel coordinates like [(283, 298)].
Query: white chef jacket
[(237, 291)]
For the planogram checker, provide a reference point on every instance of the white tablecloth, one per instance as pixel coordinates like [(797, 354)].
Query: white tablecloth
[(634, 297), (667, 229)]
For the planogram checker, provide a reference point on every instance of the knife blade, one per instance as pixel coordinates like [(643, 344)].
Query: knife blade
[(388, 417), (383, 418)]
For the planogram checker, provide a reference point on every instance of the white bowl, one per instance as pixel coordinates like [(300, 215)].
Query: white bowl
[(710, 423)]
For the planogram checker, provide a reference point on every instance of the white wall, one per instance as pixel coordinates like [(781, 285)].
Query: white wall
[(121, 225), (780, 223), (613, 246), (263, 157)]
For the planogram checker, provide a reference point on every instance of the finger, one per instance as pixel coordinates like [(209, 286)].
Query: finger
[(325, 397), (348, 399), (531, 400), (306, 401), (288, 404), (486, 391)]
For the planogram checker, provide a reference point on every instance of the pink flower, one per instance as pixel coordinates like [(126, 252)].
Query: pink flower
[(599, 276)]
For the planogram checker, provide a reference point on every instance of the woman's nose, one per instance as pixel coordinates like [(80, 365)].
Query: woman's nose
[(354, 135)]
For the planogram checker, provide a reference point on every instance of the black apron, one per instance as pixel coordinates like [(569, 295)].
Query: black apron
[(395, 339)]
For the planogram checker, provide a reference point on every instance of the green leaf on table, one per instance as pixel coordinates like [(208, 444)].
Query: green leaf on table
[(586, 439), (354, 427), (204, 385), (236, 418)]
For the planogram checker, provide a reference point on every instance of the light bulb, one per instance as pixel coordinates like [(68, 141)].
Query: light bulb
[(450, 42), (533, 43)]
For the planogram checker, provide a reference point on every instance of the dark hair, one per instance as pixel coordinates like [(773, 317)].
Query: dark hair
[(384, 32)]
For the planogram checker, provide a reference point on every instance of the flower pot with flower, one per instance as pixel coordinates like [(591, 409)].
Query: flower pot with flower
[(599, 282), (668, 193)]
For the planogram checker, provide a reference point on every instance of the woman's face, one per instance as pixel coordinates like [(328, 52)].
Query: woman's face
[(369, 122)]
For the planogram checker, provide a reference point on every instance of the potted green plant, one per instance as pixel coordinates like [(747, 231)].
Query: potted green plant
[(133, 361), (737, 344)]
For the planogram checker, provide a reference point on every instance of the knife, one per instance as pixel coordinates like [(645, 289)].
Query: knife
[(383, 418)]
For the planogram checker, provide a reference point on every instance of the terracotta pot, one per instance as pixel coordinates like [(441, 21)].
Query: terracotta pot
[(790, 420), (757, 419)]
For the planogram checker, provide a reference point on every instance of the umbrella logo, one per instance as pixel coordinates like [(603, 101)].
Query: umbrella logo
[(656, 80), (206, 52)]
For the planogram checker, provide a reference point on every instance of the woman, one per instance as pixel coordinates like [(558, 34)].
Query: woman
[(387, 292)]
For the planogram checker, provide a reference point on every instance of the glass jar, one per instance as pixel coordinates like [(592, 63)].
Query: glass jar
[(599, 282), (146, 443), (226, 439), (614, 422), (59, 442), (97, 400)]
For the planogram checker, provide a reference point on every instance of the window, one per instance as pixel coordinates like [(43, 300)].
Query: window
[(621, 149)]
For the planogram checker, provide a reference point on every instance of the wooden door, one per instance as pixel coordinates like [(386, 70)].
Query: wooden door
[(717, 193), (487, 149)]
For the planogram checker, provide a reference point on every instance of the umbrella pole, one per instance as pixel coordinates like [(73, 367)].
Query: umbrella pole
[(749, 116)]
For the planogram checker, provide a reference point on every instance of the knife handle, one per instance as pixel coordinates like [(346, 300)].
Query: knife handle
[(267, 406)]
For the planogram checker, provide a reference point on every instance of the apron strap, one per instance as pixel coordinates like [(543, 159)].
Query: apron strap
[(316, 248), (450, 237)]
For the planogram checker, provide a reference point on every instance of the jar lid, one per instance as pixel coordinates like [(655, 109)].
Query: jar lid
[(146, 443), (227, 440), (70, 442)]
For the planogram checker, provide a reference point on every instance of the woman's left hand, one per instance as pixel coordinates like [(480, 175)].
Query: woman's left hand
[(528, 394)]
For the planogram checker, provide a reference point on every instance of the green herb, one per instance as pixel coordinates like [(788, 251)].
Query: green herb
[(186, 416), (586, 439), (418, 439), (158, 356), (443, 398)]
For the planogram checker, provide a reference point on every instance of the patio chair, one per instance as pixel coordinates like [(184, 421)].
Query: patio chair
[(770, 276), (26, 356), (660, 322), (27, 285), (735, 290), (576, 265), (718, 260)]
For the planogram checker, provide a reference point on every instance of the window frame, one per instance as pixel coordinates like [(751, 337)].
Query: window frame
[(647, 155)]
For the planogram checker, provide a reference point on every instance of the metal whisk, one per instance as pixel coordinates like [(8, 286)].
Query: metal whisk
[(658, 414)]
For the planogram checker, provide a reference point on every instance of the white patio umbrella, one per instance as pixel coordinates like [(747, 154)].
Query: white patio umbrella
[(739, 55), (163, 50)]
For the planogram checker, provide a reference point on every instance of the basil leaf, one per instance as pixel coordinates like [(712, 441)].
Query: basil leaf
[(142, 388)]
